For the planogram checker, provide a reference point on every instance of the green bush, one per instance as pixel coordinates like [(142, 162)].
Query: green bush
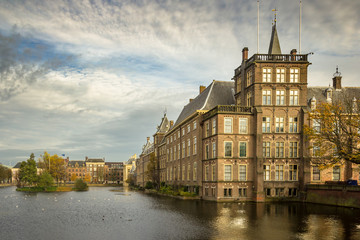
[(149, 185), (80, 185), (45, 180)]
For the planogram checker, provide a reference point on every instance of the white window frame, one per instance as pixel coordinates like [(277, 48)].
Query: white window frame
[(266, 74), (266, 97), (280, 75), (231, 145), (294, 97), (228, 125), (280, 97), (241, 144), (294, 75), (227, 172), (243, 125), (242, 177)]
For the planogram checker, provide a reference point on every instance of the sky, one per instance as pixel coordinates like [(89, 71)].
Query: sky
[(94, 78)]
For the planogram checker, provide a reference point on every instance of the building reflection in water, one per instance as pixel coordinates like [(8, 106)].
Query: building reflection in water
[(284, 221)]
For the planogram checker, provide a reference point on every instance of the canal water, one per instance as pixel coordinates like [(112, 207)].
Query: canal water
[(115, 213)]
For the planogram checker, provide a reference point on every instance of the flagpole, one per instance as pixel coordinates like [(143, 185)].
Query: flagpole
[(258, 24), (300, 28)]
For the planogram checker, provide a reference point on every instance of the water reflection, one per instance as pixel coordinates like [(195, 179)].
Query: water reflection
[(116, 213)]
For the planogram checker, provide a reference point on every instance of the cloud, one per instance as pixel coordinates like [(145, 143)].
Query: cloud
[(94, 77)]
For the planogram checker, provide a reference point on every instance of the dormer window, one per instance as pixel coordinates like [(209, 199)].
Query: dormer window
[(328, 94), (313, 103)]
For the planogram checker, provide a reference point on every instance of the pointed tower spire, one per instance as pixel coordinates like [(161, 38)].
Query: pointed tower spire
[(274, 47)]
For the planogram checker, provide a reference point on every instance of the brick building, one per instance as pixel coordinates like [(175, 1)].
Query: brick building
[(243, 140)]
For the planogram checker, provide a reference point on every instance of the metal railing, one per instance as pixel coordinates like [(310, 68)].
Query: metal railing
[(227, 109)]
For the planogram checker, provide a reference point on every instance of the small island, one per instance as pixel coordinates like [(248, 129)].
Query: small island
[(29, 180)]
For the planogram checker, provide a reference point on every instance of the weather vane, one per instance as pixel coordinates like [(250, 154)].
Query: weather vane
[(274, 10)]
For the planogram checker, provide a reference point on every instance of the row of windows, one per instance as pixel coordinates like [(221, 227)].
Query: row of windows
[(280, 75), (335, 173), (176, 173), (243, 125), (279, 173), (175, 152), (213, 128), (280, 97), (279, 192), (243, 149), (184, 129), (280, 125)]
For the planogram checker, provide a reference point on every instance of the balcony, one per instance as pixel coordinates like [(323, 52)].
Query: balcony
[(227, 109), (275, 58)]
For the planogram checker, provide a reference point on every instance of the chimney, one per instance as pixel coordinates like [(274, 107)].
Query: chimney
[(148, 139), (245, 52), (171, 123), (337, 79), (202, 88), (293, 53), (190, 100), (86, 158)]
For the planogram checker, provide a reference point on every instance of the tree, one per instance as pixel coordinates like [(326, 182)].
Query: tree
[(28, 171), (45, 180), (55, 165), (80, 185), (73, 177), (5, 174), (151, 172), (335, 134), (87, 177)]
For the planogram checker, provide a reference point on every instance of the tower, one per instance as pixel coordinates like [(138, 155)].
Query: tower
[(275, 86)]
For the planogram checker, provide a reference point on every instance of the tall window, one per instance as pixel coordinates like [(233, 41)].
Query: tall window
[(213, 175), (266, 74), (214, 126), (207, 151), (293, 124), (315, 173), (194, 127), (266, 124), (266, 97), (174, 152), (280, 75), (242, 172), (188, 128), (206, 173), (294, 97), (280, 97), (248, 99), (336, 173), (171, 154), (179, 152), (183, 131), (188, 148), (228, 149), (294, 75), (279, 124), (293, 147), (266, 149), (194, 145), (214, 149), (167, 155), (183, 172), (183, 149), (266, 172), (248, 78), (227, 125), (194, 171), (279, 149), (188, 172), (293, 170), (316, 125), (316, 150), (227, 172), (279, 172), (207, 130), (242, 150), (243, 125)]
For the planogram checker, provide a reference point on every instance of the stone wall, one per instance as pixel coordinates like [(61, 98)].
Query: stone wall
[(339, 195)]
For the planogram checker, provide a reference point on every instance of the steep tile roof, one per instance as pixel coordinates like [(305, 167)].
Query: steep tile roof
[(217, 93)]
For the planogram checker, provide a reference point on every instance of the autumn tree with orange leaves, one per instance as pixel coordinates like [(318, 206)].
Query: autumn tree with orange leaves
[(334, 135)]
